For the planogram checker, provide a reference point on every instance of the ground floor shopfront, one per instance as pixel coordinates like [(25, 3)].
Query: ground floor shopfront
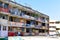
[(12, 31)]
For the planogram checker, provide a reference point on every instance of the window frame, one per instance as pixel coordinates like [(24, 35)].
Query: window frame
[(6, 5), (4, 28), (1, 4)]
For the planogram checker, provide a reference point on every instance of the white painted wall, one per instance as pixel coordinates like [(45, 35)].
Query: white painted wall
[(52, 28), (4, 33), (56, 25)]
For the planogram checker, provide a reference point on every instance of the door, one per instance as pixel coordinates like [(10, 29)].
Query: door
[(4, 31), (0, 30)]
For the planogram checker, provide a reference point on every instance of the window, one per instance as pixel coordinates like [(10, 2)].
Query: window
[(41, 31), (22, 13), (28, 14), (22, 29), (16, 20), (43, 24), (3, 16), (0, 27), (33, 15), (5, 5), (9, 28), (0, 4), (36, 23), (27, 30), (32, 21), (10, 10), (4, 28), (51, 22), (36, 16), (28, 22), (15, 11), (57, 22), (43, 19), (11, 19)]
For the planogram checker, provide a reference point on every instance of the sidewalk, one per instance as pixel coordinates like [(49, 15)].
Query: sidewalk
[(34, 38)]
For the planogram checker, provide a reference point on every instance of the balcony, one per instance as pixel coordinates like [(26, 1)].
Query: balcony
[(26, 16), (38, 26), (38, 19), (30, 26), (33, 18), (16, 24), (42, 19), (43, 27), (46, 21), (26, 34), (4, 10), (3, 22), (44, 34)]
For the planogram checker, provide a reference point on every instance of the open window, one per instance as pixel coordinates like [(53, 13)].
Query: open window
[(36, 16), (43, 19), (36, 23), (4, 28), (4, 16), (22, 13), (9, 28), (10, 18), (1, 4), (27, 30), (43, 24), (6, 5), (32, 22), (16, 20), (33, 15), (28, 14), (28, 22), (41, 31)]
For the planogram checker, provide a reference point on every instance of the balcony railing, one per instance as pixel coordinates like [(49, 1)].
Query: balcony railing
[(4, 10), (43, 27), (33, 18), (3, 22), (38, 26), (26, 16), (44, 34), (30, 25), (16, 24)]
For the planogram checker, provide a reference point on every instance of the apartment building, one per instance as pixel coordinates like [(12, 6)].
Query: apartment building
[(15, 17), (55, 25)]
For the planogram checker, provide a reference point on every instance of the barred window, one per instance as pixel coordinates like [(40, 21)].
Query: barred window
[(4, 28)]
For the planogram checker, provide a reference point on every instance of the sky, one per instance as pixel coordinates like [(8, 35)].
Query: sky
[(48, 7)]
